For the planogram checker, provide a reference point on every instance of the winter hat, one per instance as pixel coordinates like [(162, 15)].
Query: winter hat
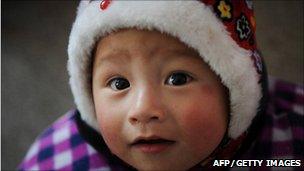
[(222, 32)]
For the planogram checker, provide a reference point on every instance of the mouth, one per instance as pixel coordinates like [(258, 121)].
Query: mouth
[(152, 144)]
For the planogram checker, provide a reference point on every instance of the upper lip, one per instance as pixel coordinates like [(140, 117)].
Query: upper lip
[(151, 139)]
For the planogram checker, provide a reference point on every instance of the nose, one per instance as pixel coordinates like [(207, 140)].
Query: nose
[(147, 107)]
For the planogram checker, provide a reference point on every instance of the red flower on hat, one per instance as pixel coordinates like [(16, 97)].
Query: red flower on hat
[(104, 4)]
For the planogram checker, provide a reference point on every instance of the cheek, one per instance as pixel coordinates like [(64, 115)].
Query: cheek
[(109, 124), (203, 120), (203, 123), (108, 128)]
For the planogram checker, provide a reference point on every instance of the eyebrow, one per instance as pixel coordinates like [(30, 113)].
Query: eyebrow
[(114, 56), (184, 54), (120, 56)]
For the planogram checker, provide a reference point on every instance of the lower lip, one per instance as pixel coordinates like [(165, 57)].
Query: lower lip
[(153, 148)]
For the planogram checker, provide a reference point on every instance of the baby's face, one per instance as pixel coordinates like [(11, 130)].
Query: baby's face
[(158, 105)]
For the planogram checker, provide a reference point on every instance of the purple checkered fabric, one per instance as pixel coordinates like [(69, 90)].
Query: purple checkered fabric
[(282, 133), (63, 146)]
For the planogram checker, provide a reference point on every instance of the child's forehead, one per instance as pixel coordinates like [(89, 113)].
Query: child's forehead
[(125, 55), (148, 39), (129, 44)]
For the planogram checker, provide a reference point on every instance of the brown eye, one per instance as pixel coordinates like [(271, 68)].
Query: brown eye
[(178, 79), (119, 84)]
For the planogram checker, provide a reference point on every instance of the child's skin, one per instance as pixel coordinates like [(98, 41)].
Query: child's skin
[(150, 85)]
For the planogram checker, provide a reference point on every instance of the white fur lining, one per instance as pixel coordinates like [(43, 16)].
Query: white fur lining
[(193, 23)]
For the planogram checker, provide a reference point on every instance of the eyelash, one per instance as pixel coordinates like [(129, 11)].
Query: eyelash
[(111, 81), (188, 78)]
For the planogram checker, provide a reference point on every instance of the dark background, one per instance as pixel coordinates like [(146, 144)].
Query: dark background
[(35, 89)]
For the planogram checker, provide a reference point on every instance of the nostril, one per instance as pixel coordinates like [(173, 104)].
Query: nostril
[(133, 120), (154, 118)]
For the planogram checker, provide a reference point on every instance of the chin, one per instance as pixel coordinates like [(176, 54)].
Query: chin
[(158, 168), (164, 166)]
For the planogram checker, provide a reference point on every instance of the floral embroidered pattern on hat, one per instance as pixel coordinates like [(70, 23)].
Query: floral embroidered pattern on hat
[(243, 28), (257, 61), (224, 10)]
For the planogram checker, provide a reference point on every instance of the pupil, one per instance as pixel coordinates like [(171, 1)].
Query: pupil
[(121, 84), (178, 79)]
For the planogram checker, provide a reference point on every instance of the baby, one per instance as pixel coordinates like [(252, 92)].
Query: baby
[(156, 99), (159, 85)]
